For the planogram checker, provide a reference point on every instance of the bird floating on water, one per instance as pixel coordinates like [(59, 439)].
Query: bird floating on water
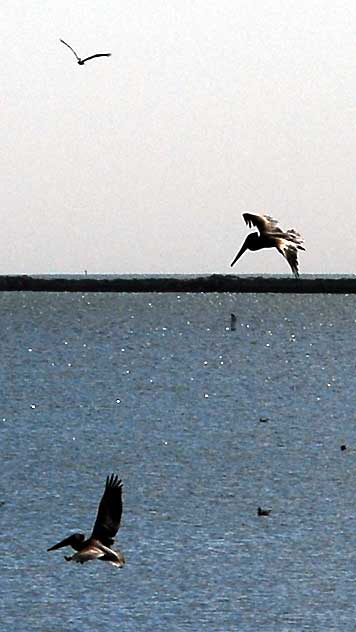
[(98, 545), (271, 236), (80, 61), (263, 512)]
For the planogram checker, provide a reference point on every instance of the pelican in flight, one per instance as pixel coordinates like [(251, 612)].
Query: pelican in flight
[(271, 236), (80, 61), (98, 545)]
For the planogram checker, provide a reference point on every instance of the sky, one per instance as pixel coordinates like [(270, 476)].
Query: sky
[(143, 162)]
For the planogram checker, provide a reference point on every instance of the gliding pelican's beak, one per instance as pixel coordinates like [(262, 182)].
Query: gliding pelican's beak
[(241, 252), (65, 542)]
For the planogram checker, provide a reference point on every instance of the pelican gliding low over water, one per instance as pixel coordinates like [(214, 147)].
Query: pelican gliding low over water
[(271, 236), (80, 61), (98, 545)]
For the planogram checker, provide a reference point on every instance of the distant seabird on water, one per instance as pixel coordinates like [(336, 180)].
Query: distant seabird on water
[(263, 512), (80, 61), (271, 236)]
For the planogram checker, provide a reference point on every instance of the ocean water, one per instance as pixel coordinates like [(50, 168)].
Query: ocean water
[(203, 424)]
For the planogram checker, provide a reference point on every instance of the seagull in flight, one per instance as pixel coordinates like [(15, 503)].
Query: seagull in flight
[(271, 236), (81, 62)]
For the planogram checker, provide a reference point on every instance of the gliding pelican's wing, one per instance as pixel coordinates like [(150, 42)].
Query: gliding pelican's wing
[(109, 513), (72, 49), (289, 252), (264, 223)]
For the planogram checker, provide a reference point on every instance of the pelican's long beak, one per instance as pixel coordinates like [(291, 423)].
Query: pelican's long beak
[(65, 542), (240, 252)]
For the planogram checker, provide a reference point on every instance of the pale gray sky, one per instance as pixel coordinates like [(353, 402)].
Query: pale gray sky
[(145, 161)]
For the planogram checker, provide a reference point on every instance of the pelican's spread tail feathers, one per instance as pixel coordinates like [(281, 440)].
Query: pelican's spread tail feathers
[(296, 238)]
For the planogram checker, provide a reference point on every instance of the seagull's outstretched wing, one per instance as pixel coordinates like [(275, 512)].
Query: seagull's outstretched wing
[(96, 55), (72, 49), (264, 223), (109, 513)]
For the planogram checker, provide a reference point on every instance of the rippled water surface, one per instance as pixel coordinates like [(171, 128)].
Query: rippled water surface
[(203, 424)]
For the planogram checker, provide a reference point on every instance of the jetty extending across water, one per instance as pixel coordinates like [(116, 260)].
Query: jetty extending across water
[(209, 283)]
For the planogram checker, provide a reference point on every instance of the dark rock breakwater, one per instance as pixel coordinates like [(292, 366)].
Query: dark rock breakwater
[(210, 283)]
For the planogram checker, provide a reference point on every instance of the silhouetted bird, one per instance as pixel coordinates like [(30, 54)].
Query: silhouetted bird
[(81, 62), (98, 545), (270, 236), (263, 512)]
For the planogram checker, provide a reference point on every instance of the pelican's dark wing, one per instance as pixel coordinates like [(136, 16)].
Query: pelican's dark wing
[(264, 223), (109, 513), (72, 49), (97, 55)]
